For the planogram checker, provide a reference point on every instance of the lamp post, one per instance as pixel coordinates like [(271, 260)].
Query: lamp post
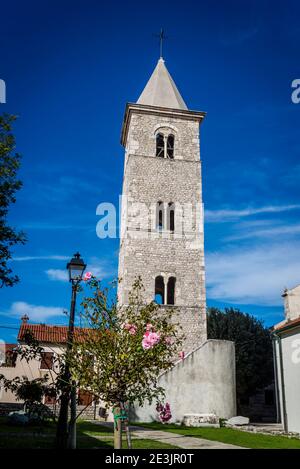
[(75, 268)]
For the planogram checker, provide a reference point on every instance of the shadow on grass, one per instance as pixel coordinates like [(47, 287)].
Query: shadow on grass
[(43, 437), (47, 442)]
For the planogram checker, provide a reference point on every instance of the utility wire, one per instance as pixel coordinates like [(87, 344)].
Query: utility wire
[(9, 327)]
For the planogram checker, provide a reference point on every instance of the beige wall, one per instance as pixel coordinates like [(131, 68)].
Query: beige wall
[(31, 370)]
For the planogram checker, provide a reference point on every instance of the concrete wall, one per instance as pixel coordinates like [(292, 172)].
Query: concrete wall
[(290, 387), (204, 382), (292, 303)]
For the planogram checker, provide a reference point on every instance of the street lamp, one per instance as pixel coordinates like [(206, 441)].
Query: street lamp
[(76, 268)]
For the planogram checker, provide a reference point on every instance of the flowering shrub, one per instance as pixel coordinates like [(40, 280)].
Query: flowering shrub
[(164, 412), (130, 346)]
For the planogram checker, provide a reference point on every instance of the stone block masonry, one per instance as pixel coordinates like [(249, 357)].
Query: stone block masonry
[(146, 251)]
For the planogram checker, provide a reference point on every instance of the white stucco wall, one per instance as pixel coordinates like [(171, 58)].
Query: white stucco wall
[(204, 382), (290, 342), (291, 364)]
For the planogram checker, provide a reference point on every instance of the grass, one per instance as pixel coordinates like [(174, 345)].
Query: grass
[(89, 436), (94, 430), (20, 442), (230, 436)]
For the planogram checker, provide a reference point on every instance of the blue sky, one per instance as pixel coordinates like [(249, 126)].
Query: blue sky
[(70, 68)]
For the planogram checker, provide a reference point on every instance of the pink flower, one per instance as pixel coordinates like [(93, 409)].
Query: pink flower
[(131, 328), (168, 340), (149, 327), (154, 338), (164, 412), (145, 344), (87, 276), (181, 355), (150, 339)]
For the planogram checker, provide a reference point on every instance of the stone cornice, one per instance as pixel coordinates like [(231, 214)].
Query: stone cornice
[(159, 111)]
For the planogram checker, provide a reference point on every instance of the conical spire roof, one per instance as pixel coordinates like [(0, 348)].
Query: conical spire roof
[(161, 90)]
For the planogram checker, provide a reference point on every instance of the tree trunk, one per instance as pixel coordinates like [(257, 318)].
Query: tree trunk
[(117, 428), (61, 440), (128, 435)]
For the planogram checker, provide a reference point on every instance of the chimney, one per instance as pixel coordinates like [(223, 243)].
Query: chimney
[(25, 319)]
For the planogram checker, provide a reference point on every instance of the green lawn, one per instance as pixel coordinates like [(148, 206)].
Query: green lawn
[(89, 436), (231, 436)]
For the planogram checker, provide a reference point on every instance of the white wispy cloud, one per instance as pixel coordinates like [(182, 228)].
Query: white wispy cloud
[(35, 312), (38, 258), (58, 274), (225, 215), (255, 275), (285, 230), (101, 269)]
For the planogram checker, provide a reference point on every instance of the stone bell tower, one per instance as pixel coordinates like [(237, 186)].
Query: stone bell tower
[(162, 217)]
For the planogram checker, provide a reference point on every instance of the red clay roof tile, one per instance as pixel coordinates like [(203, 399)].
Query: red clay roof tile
[(46, 333)]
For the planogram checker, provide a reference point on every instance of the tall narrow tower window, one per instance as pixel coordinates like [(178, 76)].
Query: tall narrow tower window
[(159, 290), (171, 216), (171, 291), (170, 146), (160, 145), (159, 216)]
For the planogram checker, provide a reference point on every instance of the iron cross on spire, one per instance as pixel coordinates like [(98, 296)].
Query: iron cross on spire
[(161, 37)]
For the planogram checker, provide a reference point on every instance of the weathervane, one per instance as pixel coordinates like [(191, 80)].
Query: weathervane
[(161, 37)]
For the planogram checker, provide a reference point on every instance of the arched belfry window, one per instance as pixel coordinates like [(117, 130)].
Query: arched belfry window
[(170, 146), (171, 291), (165, 145), (160, 145), (171, 216), (159, 290), (159, 215)]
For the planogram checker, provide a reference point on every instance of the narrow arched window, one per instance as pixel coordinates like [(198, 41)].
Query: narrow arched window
[(159, 215), (171, 291), (170, 146), (171, 216), (159, 290), (160, 145)]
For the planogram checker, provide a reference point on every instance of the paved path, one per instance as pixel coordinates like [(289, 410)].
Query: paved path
[(181, 441), (187, 442)]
